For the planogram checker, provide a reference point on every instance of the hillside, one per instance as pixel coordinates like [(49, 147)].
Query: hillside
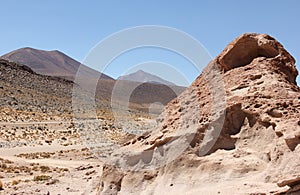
[(51, 63), (24, 92)]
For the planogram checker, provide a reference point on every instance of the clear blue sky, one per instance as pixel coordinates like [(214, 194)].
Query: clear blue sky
[(74, 27)]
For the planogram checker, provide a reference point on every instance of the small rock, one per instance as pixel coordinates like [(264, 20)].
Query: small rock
[(52, 181), (290, 182), (90, 172), (275, 113), (1, 185)]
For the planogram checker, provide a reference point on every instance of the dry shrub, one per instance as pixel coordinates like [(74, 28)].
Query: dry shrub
[(41, 178), (44, 169), (15, 182)]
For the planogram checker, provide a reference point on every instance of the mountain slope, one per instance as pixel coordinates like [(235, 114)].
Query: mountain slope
[(144, 77), (26, 95), (56, 63), (243, 140), (51, 63), (141, 98)]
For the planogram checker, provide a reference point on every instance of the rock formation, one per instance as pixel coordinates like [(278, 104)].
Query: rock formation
[(235, 130)]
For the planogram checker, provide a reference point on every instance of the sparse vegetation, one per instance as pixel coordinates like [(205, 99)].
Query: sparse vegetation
[(41, 178), (15, 182), (44, 169)]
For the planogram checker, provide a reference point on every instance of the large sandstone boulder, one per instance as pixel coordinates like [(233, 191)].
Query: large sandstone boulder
[(235, 130)]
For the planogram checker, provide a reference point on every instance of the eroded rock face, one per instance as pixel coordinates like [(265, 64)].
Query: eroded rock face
[(242, 126), (243, 50)]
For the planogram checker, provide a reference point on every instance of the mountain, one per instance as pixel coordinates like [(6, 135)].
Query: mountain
[(144, 77), (51, 63), (57, 64), (141, 96), (235, 130), (64, 67)]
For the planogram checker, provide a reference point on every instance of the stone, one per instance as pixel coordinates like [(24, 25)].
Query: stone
[(292, 181), (246, 132)]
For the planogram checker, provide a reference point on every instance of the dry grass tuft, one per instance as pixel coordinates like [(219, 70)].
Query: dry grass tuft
[(15, 182), (41, 178)]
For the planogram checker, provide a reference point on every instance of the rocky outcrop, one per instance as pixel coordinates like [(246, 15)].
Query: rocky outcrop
[(243, 50), (236, 129), (293, 181)]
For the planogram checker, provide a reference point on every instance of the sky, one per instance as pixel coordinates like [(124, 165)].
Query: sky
[(76, 27)]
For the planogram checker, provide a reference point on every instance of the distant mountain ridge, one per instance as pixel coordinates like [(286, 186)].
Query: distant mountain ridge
[(145, 77), (55, 65), (51, 63)]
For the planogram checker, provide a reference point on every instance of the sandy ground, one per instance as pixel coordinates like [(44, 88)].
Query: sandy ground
[(77, 178), (62, 166)]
